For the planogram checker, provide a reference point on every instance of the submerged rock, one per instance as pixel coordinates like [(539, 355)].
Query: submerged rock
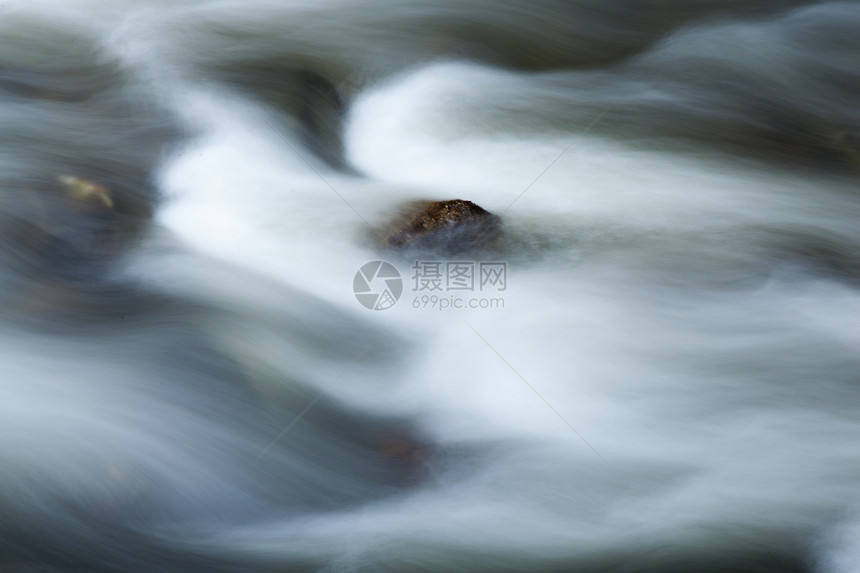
[(408, 457), (78, 229), (320, 109), (86, 194), (452, 226), (310, 98)]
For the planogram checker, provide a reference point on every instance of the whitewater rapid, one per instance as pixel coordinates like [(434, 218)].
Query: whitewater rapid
[(670, 383)]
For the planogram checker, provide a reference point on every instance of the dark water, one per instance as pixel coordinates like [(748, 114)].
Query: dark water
[(670, 382)]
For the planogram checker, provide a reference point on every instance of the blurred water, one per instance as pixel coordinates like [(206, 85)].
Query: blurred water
[(189, 384)]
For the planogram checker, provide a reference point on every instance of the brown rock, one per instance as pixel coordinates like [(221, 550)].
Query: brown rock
[(452, 226)]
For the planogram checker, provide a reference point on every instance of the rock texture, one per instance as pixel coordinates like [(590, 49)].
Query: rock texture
[(452, 226)]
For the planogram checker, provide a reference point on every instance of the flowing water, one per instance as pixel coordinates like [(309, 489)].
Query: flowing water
[(669, 381)]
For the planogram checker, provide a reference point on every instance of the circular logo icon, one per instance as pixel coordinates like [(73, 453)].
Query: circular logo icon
[(377, 285)]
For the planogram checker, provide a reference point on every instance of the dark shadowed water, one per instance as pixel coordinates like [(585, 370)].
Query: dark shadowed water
[(669, 380)]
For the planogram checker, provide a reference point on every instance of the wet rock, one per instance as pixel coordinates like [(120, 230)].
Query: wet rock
[(407, 456), (311, 102), (320, 110), (797, 133), (84, 227), (818, 256), (77, 231), (848, 144), (453, 226), (86, 194)]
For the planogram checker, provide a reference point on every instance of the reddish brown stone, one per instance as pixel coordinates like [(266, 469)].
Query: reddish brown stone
[(451, 226)]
